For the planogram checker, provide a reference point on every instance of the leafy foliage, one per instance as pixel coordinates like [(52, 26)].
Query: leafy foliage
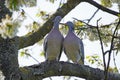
[(114, 70), (94, 59), (43, 14), (106, 3), (24, 52), (90, 32), (109, 3), (42, 53), (52, 1), (33, 27), (9, 27), (16, 4)]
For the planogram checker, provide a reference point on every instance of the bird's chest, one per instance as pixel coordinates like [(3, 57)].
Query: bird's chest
[(71, 40), (54, 38)]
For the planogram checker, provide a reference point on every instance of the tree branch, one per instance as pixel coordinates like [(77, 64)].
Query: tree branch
[(47, 69), (102, 48), (93, 15), (95, 27), (102, 7), (43, 30), (111, 48)]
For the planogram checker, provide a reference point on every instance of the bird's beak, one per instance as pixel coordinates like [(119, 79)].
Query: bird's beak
[(63, 24)]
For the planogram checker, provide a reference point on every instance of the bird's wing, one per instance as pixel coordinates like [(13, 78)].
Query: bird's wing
[(61, 49), (81, 50), (64, 49), (45, 46), (65, 53)]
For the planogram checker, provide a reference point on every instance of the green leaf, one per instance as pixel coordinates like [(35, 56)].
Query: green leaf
[(94, 59), (42, 53), (30, 3), (79, 24), (106, 3), (35, 26), (22, 53), (16, 4), (52, 1), (115, 70), (119, 15)]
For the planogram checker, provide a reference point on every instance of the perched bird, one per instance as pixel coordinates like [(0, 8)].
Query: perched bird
[(53, 43), (73, 46)]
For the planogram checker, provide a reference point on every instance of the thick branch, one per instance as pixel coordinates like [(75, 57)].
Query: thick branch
[(48, 69), (102, 7), (37, 36)]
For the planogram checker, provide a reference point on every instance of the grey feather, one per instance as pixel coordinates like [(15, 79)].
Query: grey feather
[(53, 43), (73, 46)]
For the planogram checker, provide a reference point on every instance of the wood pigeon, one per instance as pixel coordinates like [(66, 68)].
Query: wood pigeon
[(53, 43), (73, 46)]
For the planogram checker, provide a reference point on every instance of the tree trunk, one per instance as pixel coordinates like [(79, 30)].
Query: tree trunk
[(9, 59)]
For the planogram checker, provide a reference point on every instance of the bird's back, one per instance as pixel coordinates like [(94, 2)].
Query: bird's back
[(71, 40), (54, 45), (72, 47)]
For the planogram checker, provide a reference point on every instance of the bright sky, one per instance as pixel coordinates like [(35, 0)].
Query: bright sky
[(82, 11)]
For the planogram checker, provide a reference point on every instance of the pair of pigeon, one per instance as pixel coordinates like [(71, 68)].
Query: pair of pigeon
[(54, 43)]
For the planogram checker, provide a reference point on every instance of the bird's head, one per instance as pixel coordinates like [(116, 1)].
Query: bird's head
[(57, 20), (70, 25)]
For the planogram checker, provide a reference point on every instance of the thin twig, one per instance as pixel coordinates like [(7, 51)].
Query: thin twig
[(32, 57), (83, 22), (28, 15), (106, 52), (90, 18), (100, 39), (109, 50), (93, 15), (50, 78), (111, 47), (114, 60), (91, 26), (60, 4)]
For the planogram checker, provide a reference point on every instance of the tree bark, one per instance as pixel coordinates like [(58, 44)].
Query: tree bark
[(9, 59), (48, 69)]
